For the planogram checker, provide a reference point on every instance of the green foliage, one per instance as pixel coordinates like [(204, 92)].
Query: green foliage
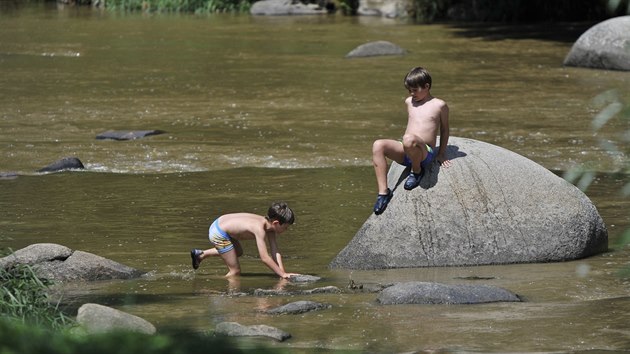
[(17, 337), (349, 7), (24, 296), (610, 107)]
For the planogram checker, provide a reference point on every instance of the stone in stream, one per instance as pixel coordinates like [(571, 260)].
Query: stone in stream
[(66, 163), (95, 318), (298, 307), (60, 263), (436, 293), (127, 134), (234, 329), (492, 206), (603, 46)]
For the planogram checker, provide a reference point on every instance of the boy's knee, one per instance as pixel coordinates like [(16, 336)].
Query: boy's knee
[(378, 146), (410, 141)]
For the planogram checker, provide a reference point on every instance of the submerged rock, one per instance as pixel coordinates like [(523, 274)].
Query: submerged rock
[(234, 329), (66, 163), (603, 46), (59, 263), (376, 48), (492, 206), (298, 307), (96, 318), (127, 134), (435, 293), (273, 292), (304, 278)]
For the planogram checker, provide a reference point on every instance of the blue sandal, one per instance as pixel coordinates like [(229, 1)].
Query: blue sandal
[(381, 202)]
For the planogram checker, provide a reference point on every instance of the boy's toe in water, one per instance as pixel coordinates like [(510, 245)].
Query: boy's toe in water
[(195, 254), (381, 202), (413, 180)]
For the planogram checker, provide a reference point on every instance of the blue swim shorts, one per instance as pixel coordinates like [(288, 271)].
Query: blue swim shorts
[(426, 162), (219, 238)]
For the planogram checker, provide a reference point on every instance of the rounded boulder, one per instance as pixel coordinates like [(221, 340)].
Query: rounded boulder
[(492, 206)]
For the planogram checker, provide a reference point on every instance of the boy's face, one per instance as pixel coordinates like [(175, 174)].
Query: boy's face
[(419, 93), (279, 228)]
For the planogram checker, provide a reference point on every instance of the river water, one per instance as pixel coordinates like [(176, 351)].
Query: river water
[(258, 109)]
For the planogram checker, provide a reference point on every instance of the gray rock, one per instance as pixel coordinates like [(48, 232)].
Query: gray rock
[(67, 163), (285, 7), (234, 329), (304, 278), (492, 206), (383, 8), (273, 292), (604, 46), (9, 175), (96, 318), (435, 293), (127, 134), (60, 263), (376, 49), (298, 307)]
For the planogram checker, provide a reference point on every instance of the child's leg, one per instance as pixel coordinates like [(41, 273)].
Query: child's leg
[(231, 261), (381, 150), (416, 149)]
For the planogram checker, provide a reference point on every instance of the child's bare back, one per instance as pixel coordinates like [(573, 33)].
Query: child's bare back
[(243, 226)]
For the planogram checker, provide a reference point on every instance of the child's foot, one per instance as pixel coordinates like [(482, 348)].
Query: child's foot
[(381, 202), (413, 180), (195, 254)]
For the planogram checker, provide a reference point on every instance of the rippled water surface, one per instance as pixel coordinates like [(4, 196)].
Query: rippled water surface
[(262, 109)]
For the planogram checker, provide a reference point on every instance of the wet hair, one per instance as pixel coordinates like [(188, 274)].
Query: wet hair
[(280, 211), (418, 77)]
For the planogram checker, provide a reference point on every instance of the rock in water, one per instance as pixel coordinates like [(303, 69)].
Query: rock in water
[(436, 293), (492, 206), (376, 48), (67, 163), (603, 46), (96, 318)]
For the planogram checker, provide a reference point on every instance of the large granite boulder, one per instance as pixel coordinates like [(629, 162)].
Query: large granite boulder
[(95, 318), (603, 46), (492, 206), (60, 263)]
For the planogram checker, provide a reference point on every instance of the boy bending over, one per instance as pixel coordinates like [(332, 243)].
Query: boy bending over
[(228, 230)]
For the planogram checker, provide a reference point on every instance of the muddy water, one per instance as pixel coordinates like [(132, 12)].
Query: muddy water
[(262, 109)]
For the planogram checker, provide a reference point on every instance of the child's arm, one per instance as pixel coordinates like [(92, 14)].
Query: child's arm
[(274, 263), (444, 135)]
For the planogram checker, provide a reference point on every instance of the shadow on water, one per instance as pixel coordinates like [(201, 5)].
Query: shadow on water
[(556, 32)]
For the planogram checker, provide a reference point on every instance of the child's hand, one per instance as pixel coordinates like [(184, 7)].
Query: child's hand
[(444, 162)]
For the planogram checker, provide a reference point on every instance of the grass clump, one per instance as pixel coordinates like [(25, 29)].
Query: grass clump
[(24, 297)]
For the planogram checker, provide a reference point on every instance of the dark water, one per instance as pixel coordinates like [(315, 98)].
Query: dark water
[(265, 109)]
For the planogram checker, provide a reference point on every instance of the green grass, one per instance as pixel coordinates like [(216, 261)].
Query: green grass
[(24, 296)]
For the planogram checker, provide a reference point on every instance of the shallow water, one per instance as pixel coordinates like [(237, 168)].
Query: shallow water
[(263, 109)]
